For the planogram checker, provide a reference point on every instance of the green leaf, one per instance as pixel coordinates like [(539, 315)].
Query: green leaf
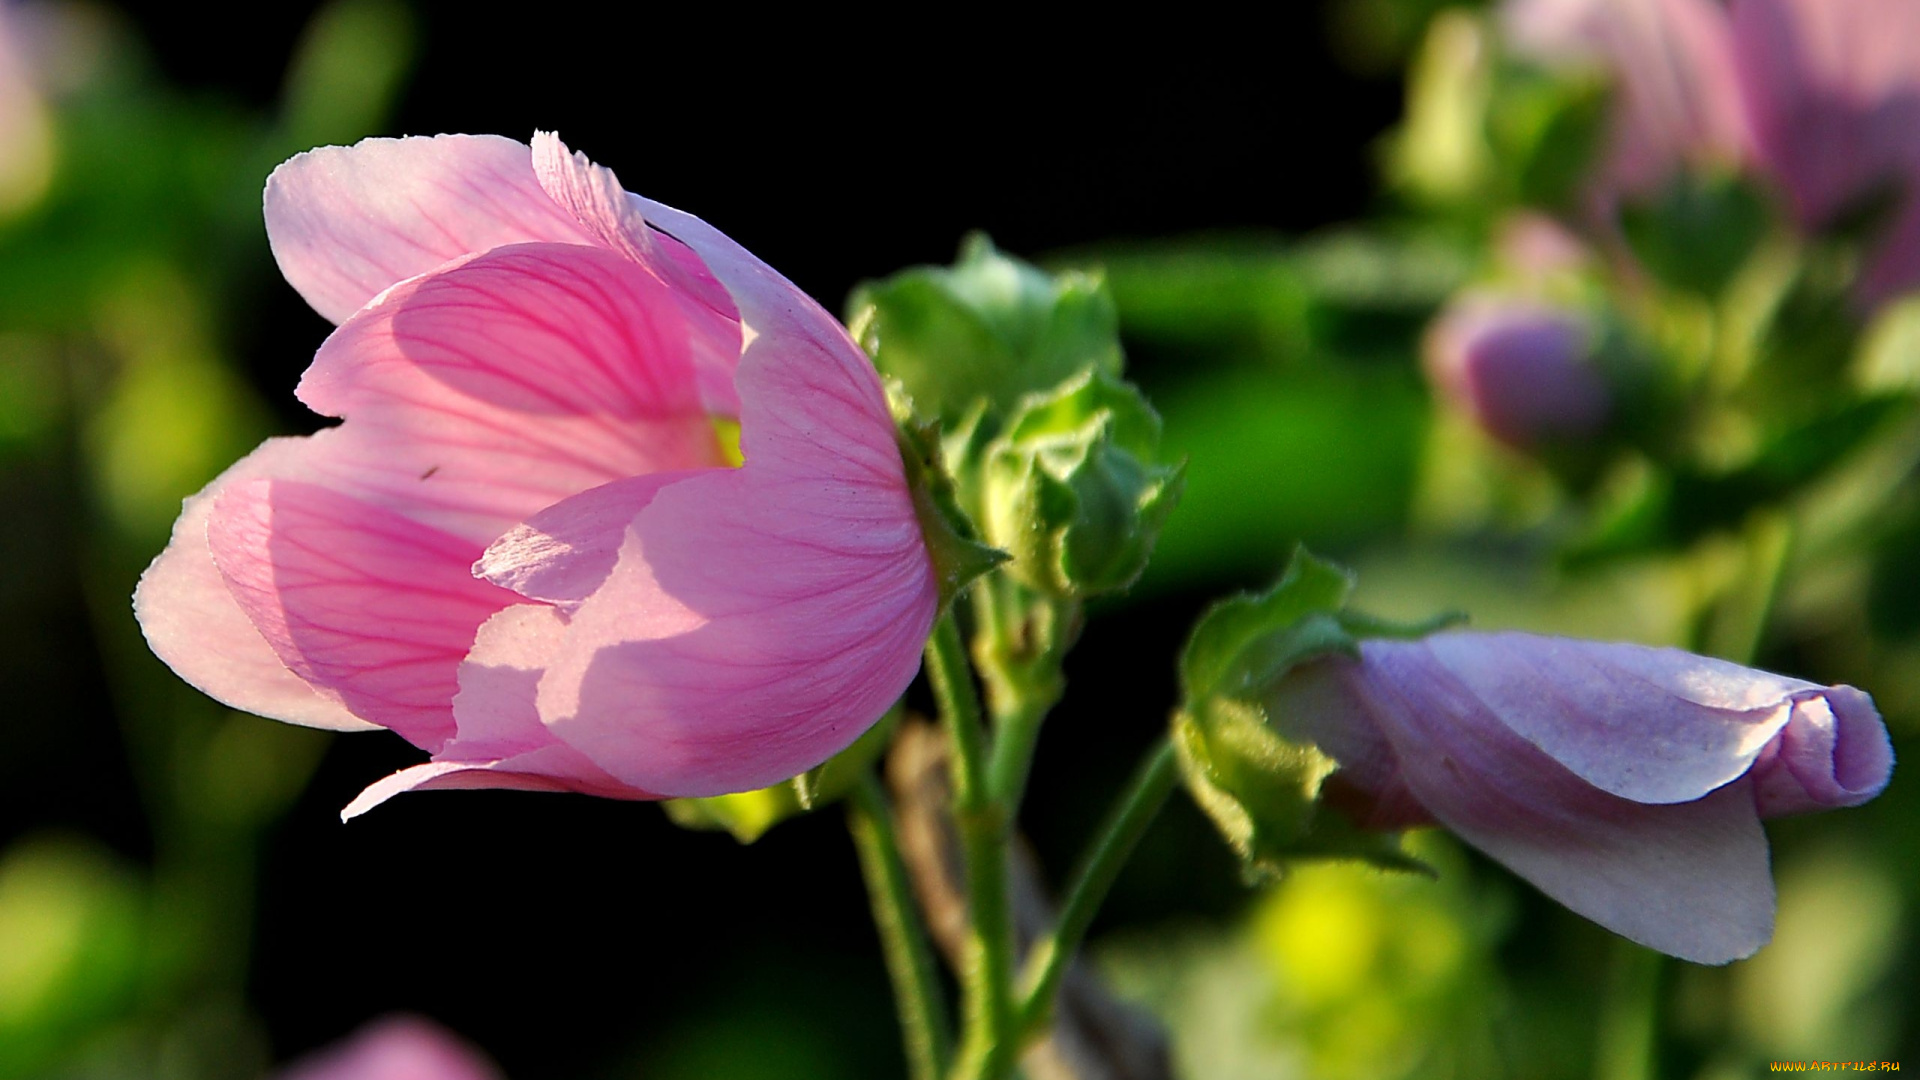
[(989, 328), (1546, 128), (1698, 231)]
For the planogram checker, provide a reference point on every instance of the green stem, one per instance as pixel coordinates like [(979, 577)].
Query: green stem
[(1629, 1030), (1021, 669), (959, 703), (1125, 824), (916, 986), (987, 1051)]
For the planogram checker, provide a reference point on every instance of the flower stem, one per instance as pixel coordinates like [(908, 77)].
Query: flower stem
[(916, 986), (987, 1050), (1125, 824)]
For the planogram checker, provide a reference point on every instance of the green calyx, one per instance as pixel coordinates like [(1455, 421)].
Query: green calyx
[(1263, 790), (1072, 489)]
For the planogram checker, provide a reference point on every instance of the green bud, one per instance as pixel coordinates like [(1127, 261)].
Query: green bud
[(990, 328), (1071, 487)]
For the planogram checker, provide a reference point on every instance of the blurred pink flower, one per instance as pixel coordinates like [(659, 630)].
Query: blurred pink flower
[(1677, 99), (396, 1048), (1832, 92), (1626, 782), (525, 550), (1518, 368), (1822, 96)]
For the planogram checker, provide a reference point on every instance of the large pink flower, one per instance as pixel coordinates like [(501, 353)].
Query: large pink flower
[(1626, 782), (525, 550)]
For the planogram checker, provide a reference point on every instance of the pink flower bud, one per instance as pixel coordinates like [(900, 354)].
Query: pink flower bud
[(1519, 369), (397, 1048), (525, 550), (1626, 782)]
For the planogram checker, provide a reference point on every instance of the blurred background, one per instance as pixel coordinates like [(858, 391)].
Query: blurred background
[(1281, 216)]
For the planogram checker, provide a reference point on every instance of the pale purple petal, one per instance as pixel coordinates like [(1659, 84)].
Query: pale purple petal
[(481, 394), (1651, 725), (1688, 879), (397, 1048), (346, 223), (373, 607), (193, 623), (1833, 752)]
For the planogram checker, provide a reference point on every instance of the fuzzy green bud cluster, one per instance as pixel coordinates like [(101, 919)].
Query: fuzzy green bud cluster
[(1052, 456)]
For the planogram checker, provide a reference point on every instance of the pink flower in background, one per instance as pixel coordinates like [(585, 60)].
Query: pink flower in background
[(1822, 96), (1626, 782), (1677, 100), (525, 550), (397, 1048), (1519, 368), (1832, 92)]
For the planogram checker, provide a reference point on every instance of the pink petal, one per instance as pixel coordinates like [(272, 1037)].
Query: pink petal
[(1651, 725), (397, 1048), (1831, 86), (501, 742), (563, 553), (193, 623), (480, 394), (593, 195), (371, 606), (348, 222), (759, 619), (1688, 879)]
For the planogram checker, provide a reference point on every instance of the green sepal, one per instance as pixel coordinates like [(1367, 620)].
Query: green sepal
[(1240, 640), (1260, 788), (1072, 489), (1263, 793), (749, 814), (989, 328), (957, 556)]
